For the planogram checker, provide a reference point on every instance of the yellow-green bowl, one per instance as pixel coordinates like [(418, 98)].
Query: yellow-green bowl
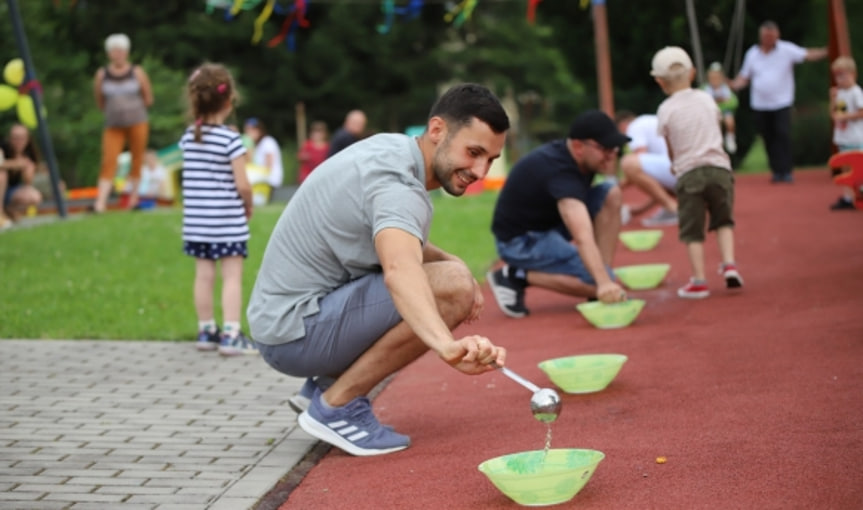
[(640, 240), (586, 373), (613, 315), (529, 479), (642, 276)]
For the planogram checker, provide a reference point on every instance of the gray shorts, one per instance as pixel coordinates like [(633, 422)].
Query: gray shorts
[(350, 320)]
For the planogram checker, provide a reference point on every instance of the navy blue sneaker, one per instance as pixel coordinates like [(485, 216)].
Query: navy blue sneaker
[(236, 346), (352, 427), (208, 341), (300, 401)]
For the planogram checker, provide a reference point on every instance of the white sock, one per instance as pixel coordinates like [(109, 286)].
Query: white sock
[(208, 325), (232, 329), (730, 142)]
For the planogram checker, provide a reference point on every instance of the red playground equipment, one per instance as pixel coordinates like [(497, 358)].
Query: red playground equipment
[(852, 176)]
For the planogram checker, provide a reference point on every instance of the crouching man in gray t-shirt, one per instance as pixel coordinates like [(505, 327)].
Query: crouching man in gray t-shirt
[(350, 290)]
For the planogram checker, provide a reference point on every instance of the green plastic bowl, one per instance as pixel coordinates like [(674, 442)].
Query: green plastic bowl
[(642, 276), (528, 480), (587, 373), (640, 240), (611, 316)]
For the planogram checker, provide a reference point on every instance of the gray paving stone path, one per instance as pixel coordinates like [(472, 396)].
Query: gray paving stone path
[(93, 425)]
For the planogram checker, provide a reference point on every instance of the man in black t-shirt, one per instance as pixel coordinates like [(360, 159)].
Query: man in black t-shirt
[(552, 226)]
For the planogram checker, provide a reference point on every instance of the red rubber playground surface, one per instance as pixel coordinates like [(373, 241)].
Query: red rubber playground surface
[(755, 399)]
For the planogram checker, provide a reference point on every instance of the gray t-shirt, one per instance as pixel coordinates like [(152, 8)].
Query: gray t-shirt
[(325, 236)]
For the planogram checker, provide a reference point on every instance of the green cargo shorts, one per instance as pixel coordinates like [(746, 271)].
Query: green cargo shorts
[(699, 191)]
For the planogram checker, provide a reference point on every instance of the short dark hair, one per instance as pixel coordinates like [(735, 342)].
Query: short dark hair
[(461, 103), (769, 25), (623, 115)]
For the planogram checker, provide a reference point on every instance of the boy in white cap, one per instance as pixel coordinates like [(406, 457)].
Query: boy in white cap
[(688, 119)]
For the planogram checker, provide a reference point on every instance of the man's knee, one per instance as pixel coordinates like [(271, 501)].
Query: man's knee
[(613, 198), (452, 282)]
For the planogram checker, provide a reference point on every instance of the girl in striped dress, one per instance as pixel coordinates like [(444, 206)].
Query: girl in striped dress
[(217, 204)]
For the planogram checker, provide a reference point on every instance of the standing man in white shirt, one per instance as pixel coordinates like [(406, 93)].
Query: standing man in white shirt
[(769, 67)]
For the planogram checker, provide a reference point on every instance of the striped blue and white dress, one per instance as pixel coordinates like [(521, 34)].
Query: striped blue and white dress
[(214, 219)]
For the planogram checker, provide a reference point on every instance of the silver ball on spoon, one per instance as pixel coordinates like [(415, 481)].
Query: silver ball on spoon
[(545, 405)]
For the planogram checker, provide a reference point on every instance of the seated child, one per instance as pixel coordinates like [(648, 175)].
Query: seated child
[(687, 119), (846, 108), (153, 177), (725, 98)]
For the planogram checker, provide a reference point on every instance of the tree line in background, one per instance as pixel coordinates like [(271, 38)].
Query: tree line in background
[(341, 61)]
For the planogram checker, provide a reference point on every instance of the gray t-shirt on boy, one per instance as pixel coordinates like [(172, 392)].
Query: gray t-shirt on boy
[(325, 236)]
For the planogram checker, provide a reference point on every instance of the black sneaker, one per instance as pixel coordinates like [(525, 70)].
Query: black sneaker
[(508, 294), (842, 204), (208, 340)]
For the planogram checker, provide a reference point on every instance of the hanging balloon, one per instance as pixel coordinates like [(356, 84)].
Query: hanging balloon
[(13, 73), (8, 97), (26, 111)]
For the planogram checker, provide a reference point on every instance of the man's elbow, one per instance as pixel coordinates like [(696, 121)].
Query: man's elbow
[(393, 271)]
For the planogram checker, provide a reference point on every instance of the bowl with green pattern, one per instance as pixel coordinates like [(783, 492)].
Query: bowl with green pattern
[(640, 240), (611, 315), (534, 478), (585, 373), (642, 276)]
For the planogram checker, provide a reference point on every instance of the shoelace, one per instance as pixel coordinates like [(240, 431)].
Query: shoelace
[(362, 415)]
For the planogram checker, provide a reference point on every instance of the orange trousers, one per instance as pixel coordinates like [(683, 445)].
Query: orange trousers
[(113, 141)]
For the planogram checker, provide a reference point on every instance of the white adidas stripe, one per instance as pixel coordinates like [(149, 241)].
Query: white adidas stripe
[(359, 435), (347, 430)]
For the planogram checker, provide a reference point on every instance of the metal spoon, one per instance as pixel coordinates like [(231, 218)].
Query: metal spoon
[(544, 404)]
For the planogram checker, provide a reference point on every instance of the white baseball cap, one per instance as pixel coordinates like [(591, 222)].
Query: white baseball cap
[(667, 58)]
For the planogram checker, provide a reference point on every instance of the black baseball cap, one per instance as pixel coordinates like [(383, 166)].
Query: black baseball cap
[(597, 125)]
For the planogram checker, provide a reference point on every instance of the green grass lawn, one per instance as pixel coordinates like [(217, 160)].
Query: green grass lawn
[(755, 160), (124, 276)]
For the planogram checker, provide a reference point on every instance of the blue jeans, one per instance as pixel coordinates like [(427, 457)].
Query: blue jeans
[(551, 251)]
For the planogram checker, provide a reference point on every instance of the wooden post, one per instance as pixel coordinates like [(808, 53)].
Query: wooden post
[(36, 96), (300, 117), (840, 41), (603, 58)]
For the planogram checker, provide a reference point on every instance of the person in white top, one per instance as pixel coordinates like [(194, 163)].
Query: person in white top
[(769, 68), (688, 119), (647, 166), (267, 153), (846, 107)]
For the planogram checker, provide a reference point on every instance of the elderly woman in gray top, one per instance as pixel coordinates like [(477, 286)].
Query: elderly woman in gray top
[(123, 93)]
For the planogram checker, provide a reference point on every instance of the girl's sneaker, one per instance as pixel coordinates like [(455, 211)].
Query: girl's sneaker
[(693, 290), (208, 341), (241, 344)]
